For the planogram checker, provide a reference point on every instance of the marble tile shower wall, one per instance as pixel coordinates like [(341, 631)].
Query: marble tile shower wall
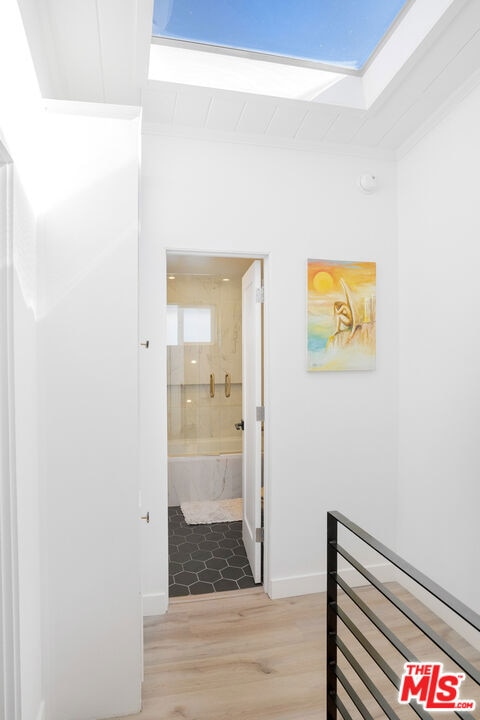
[(192, 413)]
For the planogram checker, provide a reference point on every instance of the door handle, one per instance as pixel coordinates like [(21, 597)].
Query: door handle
[(146, 517), (228, 385), (212, 385), (240, 425)]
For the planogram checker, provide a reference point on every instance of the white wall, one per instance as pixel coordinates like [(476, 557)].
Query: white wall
[(9, 632), (152, 441), (75, 333), (331, 438), (88, 408), (27, 474), (439, 413), (19, 111)]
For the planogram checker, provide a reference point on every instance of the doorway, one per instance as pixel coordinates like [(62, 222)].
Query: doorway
[(215, 458)]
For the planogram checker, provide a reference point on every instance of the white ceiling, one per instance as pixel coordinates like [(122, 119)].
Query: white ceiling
[(90, 50), (97, 51), (199, 264)]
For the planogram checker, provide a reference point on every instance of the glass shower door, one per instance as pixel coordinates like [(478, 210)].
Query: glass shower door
[(203, 365)]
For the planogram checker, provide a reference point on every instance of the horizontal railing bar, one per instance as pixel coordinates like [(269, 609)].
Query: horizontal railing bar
[(354, 696), (386, 707), (375, 655), (371, 650), (391, 637), (413, 617), (440, 593), (343, 710)]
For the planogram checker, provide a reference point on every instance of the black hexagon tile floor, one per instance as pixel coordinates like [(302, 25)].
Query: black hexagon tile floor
[(206, 558)]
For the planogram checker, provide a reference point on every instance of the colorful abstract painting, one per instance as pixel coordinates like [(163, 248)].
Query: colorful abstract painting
[(341, 315)]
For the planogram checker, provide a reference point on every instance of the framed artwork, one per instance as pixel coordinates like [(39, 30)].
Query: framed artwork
[(341, 315)]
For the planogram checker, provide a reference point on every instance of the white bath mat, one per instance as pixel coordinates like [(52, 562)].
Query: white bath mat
[(204, 512)]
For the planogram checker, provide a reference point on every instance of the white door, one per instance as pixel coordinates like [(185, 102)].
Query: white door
[(251, 400)]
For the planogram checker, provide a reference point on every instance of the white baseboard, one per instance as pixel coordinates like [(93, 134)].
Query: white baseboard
[(41, 711), (296, 585), (317, 582), (155, 604)]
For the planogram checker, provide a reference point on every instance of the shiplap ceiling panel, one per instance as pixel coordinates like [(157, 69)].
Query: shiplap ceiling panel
[(39, 31), (159, 104), (76, 37), (257, 115), (407, 124), (317, 123), (401, 97), (287, 119), (192, 107), (445, 84), (117, 43), (225, 112), (346, 125), (408, 103), (89, 50), (379, 121), (463, 65)]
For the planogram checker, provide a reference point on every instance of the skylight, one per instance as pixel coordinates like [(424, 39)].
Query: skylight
[(341, 34), (242, 74)]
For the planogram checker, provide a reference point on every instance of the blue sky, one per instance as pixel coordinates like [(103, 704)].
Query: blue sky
[(332, 31)]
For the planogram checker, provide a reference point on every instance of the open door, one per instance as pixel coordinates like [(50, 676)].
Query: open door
[(252, 414)]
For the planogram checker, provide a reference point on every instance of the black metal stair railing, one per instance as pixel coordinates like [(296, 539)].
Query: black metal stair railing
[(343, 665)]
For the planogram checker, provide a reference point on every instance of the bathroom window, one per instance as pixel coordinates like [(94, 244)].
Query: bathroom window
[(197, 325), (172, 324), (189, 324)]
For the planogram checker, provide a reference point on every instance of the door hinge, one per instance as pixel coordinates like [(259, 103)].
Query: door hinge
[(259, 535), (260, 295), (260, 413)]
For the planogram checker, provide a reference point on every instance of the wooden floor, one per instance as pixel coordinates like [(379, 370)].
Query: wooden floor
[(242, 656)]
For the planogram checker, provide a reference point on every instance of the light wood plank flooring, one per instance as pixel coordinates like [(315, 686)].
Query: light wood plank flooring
[(242, 656)]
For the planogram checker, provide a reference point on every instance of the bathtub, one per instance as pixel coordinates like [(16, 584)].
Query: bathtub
[(204, 470)]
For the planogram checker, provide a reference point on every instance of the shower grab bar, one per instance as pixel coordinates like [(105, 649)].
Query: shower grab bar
[(228, 384), (212, 385)]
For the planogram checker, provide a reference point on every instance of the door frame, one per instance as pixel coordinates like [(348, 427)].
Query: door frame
[(9, 604), (264, 257), (252, 401)]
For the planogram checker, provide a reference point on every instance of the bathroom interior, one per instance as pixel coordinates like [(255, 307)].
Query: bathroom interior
[(205, 438)]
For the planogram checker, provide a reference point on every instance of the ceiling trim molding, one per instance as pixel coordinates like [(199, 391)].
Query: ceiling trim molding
[(322, 148), (92, 109)]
